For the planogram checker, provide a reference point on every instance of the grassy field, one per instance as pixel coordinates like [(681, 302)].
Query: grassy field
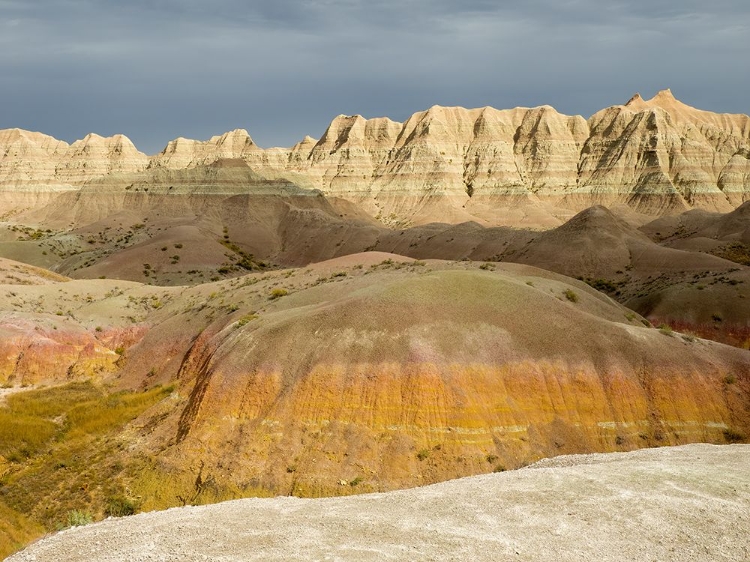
[(61, 461)]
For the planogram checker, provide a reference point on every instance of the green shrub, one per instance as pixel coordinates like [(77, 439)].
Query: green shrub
[(77, 518), (278, 293), (666, 329), (120, 506), (245, 319)]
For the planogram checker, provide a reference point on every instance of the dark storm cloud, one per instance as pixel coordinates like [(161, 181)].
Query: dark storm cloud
[(159, 69)]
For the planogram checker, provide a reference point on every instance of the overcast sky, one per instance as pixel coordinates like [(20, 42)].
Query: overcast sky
[(281, 69)]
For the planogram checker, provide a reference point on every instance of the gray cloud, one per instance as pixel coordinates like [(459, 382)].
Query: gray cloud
[(282, 69)]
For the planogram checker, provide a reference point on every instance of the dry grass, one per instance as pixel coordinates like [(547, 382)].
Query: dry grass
[(62, 448)]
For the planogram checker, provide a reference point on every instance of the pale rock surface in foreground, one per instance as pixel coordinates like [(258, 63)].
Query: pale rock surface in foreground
[(684, 503)]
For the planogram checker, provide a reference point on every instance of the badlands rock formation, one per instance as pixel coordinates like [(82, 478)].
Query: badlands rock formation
[(37, 161), (374, 370), (679, 504), (520, 166)]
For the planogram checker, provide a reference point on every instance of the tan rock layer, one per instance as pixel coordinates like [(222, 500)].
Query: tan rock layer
[(658, 156)]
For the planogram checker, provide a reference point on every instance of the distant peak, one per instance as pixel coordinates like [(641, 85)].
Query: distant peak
[(237, 133), (664, 94), (635, 99)]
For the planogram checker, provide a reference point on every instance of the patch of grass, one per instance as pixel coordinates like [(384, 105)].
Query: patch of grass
[(423, 454), (78, 518), (245, 319), (736, 252), (63, 444), (603, 285), (120, 506), (16, 530), (278, 293), (570, 295), (665, 329)]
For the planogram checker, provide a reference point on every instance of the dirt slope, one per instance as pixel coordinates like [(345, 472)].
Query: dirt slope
[(685, 504)]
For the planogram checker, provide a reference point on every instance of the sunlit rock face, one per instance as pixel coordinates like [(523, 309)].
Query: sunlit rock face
[(450, 164)]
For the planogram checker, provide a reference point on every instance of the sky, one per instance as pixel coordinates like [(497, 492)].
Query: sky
[(155, 70)]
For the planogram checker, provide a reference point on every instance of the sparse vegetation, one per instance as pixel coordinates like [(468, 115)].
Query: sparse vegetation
[(61, 441), (665, 329), (278, 293), (77, 518), (603, 285), (120, 506), (245, 319), (570, 295), (735, 251)]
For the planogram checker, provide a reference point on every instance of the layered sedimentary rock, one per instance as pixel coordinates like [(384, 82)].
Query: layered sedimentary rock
[(452, 164), (392, 376), (35, 160), (44, 349), (373, 370)]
